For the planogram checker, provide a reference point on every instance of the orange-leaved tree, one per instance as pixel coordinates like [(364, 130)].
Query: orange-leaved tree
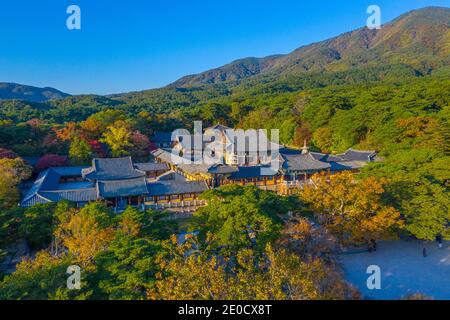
[(352, 208)]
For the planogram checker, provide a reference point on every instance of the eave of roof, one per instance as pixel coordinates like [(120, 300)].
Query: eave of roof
[(122, 188), (151, 166), (47, 180), (251, 172), (79, 195), (304, 162), (174, 187), (112, 169)]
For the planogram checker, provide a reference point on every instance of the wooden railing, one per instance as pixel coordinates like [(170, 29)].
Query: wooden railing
[(178, 206)]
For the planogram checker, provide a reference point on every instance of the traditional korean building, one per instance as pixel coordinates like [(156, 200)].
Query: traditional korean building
[(175, 181), (294, 167), (119, 182)]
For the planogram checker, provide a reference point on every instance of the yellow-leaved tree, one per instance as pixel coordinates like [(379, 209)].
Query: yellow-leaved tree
[(12, 171), (118, 138), (87, 232), (352, 208), (187, 273)]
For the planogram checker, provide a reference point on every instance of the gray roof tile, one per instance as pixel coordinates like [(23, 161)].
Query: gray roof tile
[(70, 171), (151, 166), (357, 155), (80, 195), (47, 180), (171, 187), (249, 172), (122, 188), (303, 162), (112, 169)]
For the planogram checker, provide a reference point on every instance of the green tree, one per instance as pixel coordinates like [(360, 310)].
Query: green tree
[(80, 152), (42, 278), (36, 226), (323, 139), (237, 217), (418, 189)]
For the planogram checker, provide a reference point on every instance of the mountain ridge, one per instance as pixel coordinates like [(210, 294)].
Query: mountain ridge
[(424, 31), (418, 40), (16, 91)]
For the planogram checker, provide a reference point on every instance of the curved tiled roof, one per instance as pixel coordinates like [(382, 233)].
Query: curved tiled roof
[(171, 175), (303, 162), (122, 188), (170, 187), (151, 166), (112, 169), (250, 172), (47, 180), (222, 169), (174, 183), (325, 157), (357, 155), (80, 195), (167, 156), (347, 165), (70, 171)]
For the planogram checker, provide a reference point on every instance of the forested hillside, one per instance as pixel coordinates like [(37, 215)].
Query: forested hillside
[(21, 92)]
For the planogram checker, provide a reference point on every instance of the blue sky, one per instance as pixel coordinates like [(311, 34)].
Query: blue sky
[(141, 44)]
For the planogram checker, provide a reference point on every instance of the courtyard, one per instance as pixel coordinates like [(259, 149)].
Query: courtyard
[(404, 269)]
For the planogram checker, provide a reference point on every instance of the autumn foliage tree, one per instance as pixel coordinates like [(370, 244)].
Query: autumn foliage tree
[(352, 209), (41, 278), (98, 149), (118, 138), (87, 232), (140, 146), (303, 133), (276, 275), (80, 152), (51, 160), (98, 123), (13, 171), (306, 239), (69, 132)]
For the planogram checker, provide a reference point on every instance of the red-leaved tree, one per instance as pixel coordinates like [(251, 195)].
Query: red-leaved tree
[(51, 160)]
